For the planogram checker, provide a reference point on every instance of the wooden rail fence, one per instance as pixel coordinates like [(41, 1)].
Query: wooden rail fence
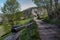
[(16, 32)]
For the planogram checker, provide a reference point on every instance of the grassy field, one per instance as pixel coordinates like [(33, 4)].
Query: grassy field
[(22, 22), (4, 30)]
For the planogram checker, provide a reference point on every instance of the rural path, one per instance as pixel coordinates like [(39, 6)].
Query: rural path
[(48, 31)]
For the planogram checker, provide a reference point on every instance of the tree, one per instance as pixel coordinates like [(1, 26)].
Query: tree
[(9, 9), (42, 4), (56, 3), (48, 4), (38, 3)]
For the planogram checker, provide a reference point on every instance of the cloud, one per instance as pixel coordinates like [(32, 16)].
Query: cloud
[(28, 5)]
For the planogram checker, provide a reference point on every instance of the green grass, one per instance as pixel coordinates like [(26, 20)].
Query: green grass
[(22, 22), (6, 28), (33, 34), (51, 21), (4, 36), (4, 31), (25, 36), (54, 21)]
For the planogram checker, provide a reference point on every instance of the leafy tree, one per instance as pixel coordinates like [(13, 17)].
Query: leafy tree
[(42, 4), (9, 9), (49, 5)]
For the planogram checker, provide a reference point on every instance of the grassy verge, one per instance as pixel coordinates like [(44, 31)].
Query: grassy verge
[(4, 29), (52, 21), (4, 36), (32, 35), (22, 22), (8, 28)]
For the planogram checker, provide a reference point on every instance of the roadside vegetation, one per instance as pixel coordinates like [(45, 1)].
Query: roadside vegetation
[(53, 10), (31, 35), (25, 35), (7, 30)]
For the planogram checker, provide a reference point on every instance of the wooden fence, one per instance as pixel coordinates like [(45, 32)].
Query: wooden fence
[(16, 32)]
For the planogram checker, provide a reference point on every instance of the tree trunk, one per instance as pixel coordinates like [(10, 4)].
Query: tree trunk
[(49, 9), (56, 3), (56, 10)]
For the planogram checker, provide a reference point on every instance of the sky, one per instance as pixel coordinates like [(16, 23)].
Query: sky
[(26, 4), (1, 4), (23, 3)]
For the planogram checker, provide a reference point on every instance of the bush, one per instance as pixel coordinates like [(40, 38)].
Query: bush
[(52, 21), (32, 35)]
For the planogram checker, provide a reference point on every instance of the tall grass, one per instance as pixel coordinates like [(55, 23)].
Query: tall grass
[(32, 35)]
